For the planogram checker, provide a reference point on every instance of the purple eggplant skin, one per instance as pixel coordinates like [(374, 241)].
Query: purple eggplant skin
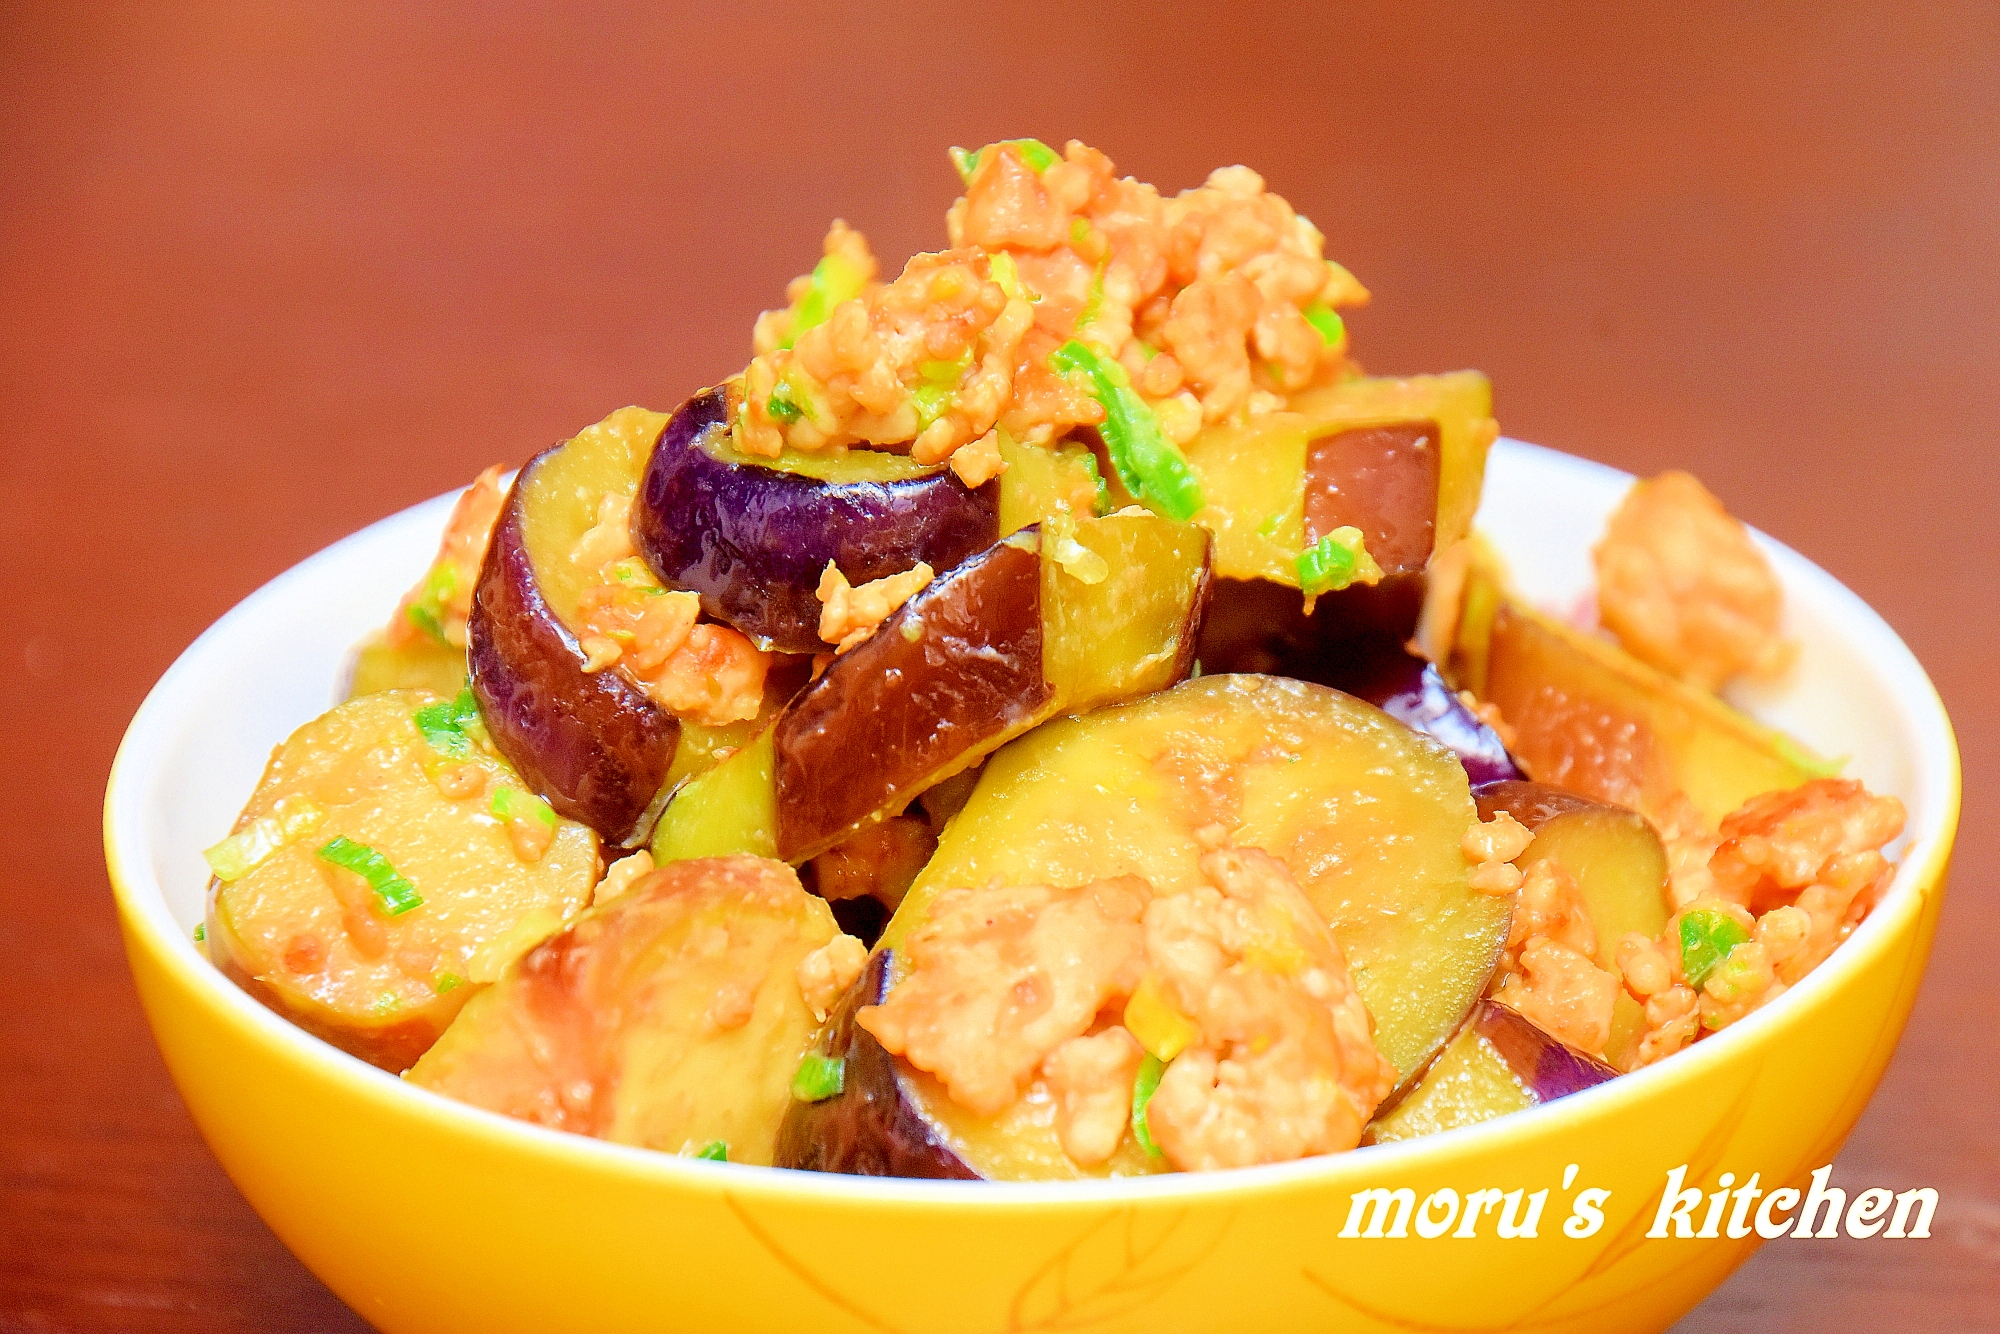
[(753, 541), (1353, 641), (902, 706), (592, 743), (869, 1128), (1414, 693), (1549, 1068)]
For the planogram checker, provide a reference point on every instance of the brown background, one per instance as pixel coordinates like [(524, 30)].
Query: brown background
[(268, 273)]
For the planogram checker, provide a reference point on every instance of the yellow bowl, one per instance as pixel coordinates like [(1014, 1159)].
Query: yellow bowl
[(426, 1215)]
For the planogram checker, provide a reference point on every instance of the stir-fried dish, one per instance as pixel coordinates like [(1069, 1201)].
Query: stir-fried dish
[(1047, 716)]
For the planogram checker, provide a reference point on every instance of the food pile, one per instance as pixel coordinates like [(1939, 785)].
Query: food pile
[(1047, 716)]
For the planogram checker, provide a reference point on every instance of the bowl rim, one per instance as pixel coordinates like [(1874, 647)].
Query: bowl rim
[(149, 926)]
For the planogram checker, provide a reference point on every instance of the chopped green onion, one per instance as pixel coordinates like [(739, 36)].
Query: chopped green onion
[(1269, 528), (1151, 468), (426, 620), (715, 1151), (1100, 505), (427, 612), (938, 387), (513, 804), (448, 982), (1093, 300), (946, 373), (834, 279), (1335, 561), (291, 818), (1326, 320), (819, 1078), (1143, 1089), (1007, 274), (397, 894), (931, 402), (200, 932), (779, 406), (1079, 228), (1707, 937), (443, 723), (1038, 155)]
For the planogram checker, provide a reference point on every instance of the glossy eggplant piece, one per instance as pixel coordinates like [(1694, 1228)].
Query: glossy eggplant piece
[(878, 863), (1352, 641), (1415, 694), (375, 975), (1591, 718), (1382, 480), (1497, 1063), (1347, 454), (593, 743), (873, 1126), (983, 654), (634, 1025), (752, 535), (958, 665), (1122, 791), (1618, 863)]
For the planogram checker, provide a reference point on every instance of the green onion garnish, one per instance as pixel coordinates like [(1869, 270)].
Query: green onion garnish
[(443, 723), (819, 1078), (1143, 1089), (1100, 504), (1093, 300), (715, 1151), (513, 804), (834, 279), (1151, 469), (238, 855), (397, 894), (1707, 937), (1326, 320), (1335, 561), (1005, 272), (426, 620), (448, 982), (427, 612), (200, 932), (779, 406), (1038, 155)]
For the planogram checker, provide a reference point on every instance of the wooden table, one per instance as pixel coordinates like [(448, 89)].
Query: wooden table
[(273, 271)]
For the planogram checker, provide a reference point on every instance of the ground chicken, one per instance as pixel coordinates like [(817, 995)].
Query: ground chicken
[(849, 614), (1547, 971), (709, 674), (1797, 870), (1091, 1080), (1214, 302), (1684, 588), (622, 875), (1000, 977), (1270, 1052), (1492, 847), (828, 971), (1286, 1065), (1561, 992)]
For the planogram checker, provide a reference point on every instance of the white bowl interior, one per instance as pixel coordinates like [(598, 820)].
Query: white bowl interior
[(199, 743)]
